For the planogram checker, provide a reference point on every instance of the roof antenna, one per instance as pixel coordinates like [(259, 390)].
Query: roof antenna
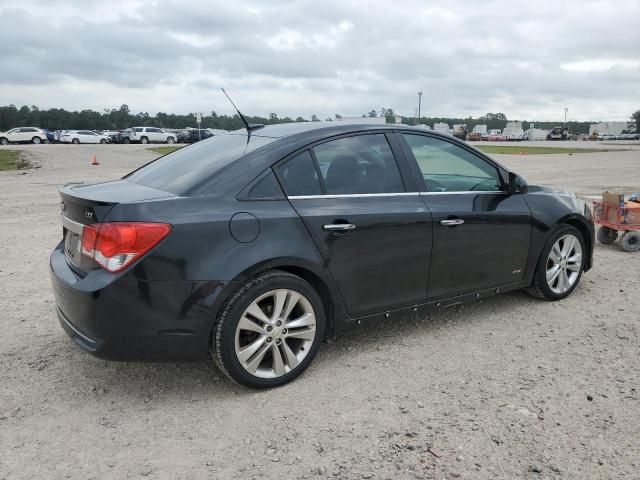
[(249, 126)]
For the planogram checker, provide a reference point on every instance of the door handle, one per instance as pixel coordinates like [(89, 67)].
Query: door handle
[(452, 222), (339, 227)]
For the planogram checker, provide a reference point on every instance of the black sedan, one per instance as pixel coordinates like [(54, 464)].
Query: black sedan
[(253, 246), (193, 136)]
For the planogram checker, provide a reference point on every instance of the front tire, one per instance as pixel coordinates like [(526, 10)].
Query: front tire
[(560, 266), (4, 141), (269, 331), (103, 141)]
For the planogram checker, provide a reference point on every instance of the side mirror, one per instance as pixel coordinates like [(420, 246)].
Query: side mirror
[(516, 184)]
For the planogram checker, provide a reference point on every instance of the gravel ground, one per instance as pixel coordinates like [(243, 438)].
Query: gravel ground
[(508, 387)]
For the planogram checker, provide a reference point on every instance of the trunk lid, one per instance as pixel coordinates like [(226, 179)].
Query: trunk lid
[(85, 204)]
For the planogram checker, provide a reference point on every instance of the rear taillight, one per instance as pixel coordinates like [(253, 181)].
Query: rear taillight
[(115, 245)]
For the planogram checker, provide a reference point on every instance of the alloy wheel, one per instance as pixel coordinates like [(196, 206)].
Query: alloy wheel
[(564, 264), (275, 333)]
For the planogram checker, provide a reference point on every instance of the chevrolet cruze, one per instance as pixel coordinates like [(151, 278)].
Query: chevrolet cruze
[(251, 247)]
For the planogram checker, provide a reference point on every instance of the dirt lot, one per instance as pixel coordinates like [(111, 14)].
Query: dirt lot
[(508, 387)]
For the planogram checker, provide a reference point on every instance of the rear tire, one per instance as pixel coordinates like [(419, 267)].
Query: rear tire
[(550, 290), (170, 140), (607, 235), (103, 141), (144, 140), (126, 140), (281, 353), (75, 141), (36, 140), (630, 241)]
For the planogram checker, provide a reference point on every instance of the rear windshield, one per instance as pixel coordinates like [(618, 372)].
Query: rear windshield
[(180, 171)]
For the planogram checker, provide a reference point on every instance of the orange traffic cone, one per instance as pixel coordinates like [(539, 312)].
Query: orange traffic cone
[(94, 161)]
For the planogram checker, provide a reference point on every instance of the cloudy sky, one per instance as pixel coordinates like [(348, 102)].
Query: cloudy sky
[(526, 59)]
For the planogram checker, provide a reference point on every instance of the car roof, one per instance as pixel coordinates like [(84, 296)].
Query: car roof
[(282, 130)]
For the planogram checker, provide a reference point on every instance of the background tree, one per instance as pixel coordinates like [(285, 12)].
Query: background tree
[(635, 120), (122, 117)]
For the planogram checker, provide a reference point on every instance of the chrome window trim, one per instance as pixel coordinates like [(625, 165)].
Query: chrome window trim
[(399, 194), (469, 192), (353, 195)]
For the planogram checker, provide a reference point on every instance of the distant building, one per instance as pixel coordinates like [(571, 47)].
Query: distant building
[(481, 129), (611, 128)]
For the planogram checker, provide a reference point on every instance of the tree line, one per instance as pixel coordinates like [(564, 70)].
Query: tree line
[(120, 118)]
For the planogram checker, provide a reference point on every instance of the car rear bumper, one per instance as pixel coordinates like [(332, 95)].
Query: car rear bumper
[(121, 317)]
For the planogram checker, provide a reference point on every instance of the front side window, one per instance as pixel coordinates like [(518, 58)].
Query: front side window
[(299, 176), (447, 167), (359, 164)]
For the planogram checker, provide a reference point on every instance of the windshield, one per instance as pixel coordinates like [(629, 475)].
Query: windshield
[(181, 170)]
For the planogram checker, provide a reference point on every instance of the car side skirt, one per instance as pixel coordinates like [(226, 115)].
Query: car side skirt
[(429, 307)]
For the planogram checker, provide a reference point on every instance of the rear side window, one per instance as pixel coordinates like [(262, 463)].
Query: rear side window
[(188, 167), (299, 176), (359, 164)]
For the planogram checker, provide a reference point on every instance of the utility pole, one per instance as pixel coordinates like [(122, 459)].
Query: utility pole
[(564, 126), (419, 105)]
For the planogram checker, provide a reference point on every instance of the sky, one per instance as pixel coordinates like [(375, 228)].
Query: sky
[(529, 60)]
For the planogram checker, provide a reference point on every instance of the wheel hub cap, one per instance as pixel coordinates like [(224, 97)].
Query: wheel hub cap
[(275, 333), (564, 264)]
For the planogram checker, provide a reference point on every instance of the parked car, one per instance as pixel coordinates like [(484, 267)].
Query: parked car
[(151, 135), (110, 134), (606, 136), (193, 136), (557, 133), (23, 135), (253, 248), (51, 136), (123, 136), (82, 136)]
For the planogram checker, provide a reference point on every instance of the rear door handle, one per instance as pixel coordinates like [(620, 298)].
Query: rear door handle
[(339, 227), (452, 222)]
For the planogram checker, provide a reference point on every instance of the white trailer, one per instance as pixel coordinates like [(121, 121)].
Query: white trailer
[(611, 128), (442, 128), (513, 131), (481, 129), (535, 134)]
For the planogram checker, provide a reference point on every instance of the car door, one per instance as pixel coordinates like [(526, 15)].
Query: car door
[(155, 135), (21, 135), (13, 135), (85, 136), (481, 233), (371, 227)]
